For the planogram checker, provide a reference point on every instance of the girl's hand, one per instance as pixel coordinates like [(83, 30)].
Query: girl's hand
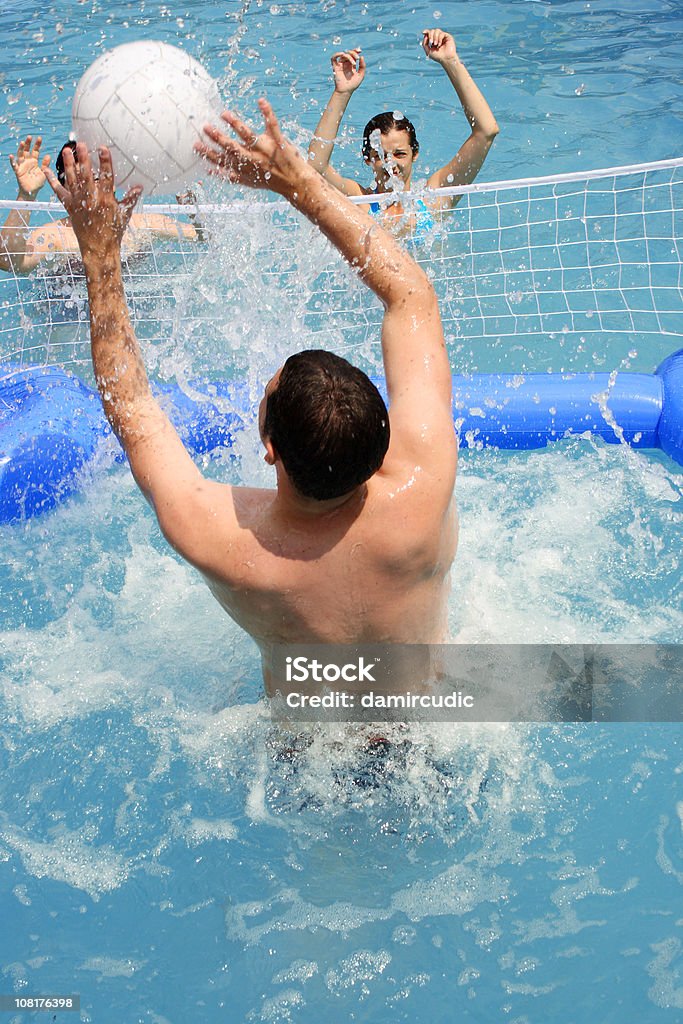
[(348, 68), (29, 168), (438, 45)]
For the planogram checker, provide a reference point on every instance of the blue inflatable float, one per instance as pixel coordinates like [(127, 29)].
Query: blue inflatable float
[(51, 423)]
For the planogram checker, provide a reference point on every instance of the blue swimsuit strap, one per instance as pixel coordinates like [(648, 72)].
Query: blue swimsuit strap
[(424, 222)]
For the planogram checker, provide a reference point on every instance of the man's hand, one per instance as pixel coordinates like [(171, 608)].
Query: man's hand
[(98, 219), (29, 168), (348, 68), (259, 161), (438, 45)]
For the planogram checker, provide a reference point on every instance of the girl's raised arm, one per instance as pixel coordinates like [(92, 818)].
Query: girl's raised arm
[(466, 164), (348, 68), (14, 234)]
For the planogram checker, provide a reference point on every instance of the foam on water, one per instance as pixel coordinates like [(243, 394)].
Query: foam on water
[(124, 632), (68, 858), (139, 756), (575, 545)]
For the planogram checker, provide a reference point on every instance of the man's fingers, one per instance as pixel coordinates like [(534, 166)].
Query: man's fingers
[(56, 186), (70, 176), (216, 135), (206, 152), (271, 121), (46, 161), (227, 152), (83, 163), (225, 142), (246, 134), (36, 146), (129, 201), (106, 179), (220, 157), (203, 149)]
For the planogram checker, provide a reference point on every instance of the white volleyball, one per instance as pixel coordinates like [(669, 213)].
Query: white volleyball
[(148, 102)]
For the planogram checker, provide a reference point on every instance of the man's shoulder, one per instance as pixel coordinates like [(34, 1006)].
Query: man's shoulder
[(217, 523), (236, 507), (423, 479)]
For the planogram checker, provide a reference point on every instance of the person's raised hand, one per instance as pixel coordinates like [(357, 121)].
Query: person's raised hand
[(438, 45), (97, 217), (28, 166), (268, 160), (348, 68)]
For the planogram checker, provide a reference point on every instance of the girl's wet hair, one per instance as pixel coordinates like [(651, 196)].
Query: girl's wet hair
[(59, 162), (385, 122)]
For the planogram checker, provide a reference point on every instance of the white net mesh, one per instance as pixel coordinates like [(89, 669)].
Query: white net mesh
[(563, 273)]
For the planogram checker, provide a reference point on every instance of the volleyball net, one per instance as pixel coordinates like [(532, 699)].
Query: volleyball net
[(571, 272)]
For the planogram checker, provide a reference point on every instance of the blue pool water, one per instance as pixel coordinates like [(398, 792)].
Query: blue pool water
[(158, 854)]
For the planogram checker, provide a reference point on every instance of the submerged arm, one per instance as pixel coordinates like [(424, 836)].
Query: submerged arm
[(466, 164)]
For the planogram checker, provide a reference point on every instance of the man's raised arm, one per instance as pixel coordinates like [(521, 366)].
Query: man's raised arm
[(415, 359), (158, 459)]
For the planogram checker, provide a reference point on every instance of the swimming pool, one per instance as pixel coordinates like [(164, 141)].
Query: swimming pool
[(158, 854)]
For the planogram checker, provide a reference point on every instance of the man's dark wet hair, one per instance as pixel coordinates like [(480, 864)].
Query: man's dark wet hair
[(59, 162), (385, 122), (328, 423)]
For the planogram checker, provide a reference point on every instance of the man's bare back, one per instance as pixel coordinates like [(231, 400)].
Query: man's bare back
[(374, 569), (312, 560)]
